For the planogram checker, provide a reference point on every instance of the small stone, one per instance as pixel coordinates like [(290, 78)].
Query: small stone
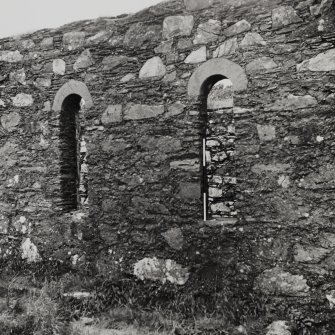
[(139, 112), (266, 132), (192, 5), (10, 121), (331, 298), (227, 48), (177, 26), (73, 40), (197, 56), (153, 68), (58, 67), (112, 62), (128, 77), (322, 62), (18, 76), (208, 32), (252, 39), (10, 56), (113, 114), (139, 34), (26, 44), (278, 328), (30, 252), (164, 48), (309, 254), (261, 64), (220, 208), (84, 61), (278, 282), (237, 28), (214, 192), (284, 181), (292, 102), (175, 239), (47, 43), (184, 43), (22, 100), (175, 109), (186, 165), (101, 36), (43, 82), (283, 16)]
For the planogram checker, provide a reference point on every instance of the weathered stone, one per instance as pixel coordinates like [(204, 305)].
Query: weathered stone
[(2, 103), (25, 44), (189, 191), (186, 165), (177, 26), (153, 68), (327, 240), (128, 77), (174, 237), (10, 121), (4, 224), (227, 48), (220, 208), (221, 95), (278, 328), (112, 62), (278, 282), (214, 192), (309, 254), (74, 40), (113, 114), (30, 252), (284, 181), (266, 132), (161, 270), (139, 112), (18, 76), (270, 168), (139, 34), (292, 102), (283, 16), (193, 5), (331, 298), (22, 100), (47, 43), (322, 62), (10, 56), (175, 109), (43, 82), (252, 39), (237, 28), (164, 48), (197, 56), (208, 32), (261, 64), (164, 144), (83, 61), (58, 67), (101, 36)]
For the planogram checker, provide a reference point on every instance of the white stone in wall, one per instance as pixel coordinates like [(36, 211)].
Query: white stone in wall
[(2, 103), (10, 121), (292, 102), (278, 328), (261, 64), (175, 109), (128, 77), (197, 56), (58, 67), (251, 39), (101, 36), (30, 252), (113, 114), (74, 39), (266, 132), (283, 16), (83, 61), (177, 26), (228, 47), (47, 43), (192, 5), (26, 44), (18, 76), (220, 207), (161, 270), (22, 100), (237, 28), (153, 67), (10, 56), (214, 192), (139, 112), (208, 32), (324, 61)]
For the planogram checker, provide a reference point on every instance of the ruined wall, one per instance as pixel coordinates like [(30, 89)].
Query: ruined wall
[(142, 124)]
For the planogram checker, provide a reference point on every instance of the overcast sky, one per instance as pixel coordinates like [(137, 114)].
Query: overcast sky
[(21, 16)]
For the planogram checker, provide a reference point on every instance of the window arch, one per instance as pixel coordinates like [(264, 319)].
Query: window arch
[(213, 85), (69, 102)]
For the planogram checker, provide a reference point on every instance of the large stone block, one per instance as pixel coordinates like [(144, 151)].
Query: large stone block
[(174, 237), (237, 28), (140, 112), (10, 121), (266, 132), (153, 68), (260, 65), (227, 48), (309, 254), (324, 61), (177, 26), (113, 114), (292, 102), (58, 66), (193, 5), (22, 100), (283, 16), (208, 32), (197, 56), (278, 328), (18, 76), (74, 39), (83, 61), (139, 34), (252, 39), (10, 56)]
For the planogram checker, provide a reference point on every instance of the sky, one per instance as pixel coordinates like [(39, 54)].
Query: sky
[(23, 16)]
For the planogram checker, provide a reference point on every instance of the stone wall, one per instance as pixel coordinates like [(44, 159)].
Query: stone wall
[(143, 79)]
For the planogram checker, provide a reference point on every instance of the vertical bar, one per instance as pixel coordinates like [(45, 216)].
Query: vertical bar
[(204, 177)]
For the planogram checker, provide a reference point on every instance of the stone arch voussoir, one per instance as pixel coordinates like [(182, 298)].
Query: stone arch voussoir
[(72, 87), (215, 67)]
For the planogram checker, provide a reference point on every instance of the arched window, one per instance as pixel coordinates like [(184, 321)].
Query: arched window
[(69, 102), (213, 85)]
